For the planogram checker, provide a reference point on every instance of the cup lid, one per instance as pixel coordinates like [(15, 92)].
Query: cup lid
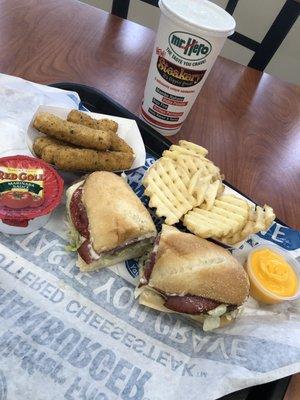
[(200, 14)]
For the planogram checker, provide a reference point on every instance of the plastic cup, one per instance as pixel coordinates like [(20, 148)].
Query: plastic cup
[(257, 290), (190, 36)]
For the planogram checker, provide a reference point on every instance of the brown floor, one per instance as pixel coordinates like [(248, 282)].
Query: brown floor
[(293, 392)]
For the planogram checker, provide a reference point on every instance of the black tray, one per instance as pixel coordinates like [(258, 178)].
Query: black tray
[(96, 101)]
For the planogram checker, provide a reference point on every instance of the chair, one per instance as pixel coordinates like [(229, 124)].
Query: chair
[(121, 7), (264, 51)]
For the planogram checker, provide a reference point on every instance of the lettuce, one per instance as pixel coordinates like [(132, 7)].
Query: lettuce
[(75, 240)]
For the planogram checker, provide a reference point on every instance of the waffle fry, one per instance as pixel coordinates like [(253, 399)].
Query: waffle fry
[(212, 169), (240, 221), (200, 176), (260, 220), (229, 214), (234, 204), (211, 194), (190, 163), (192, 147), (198, 185), (193, 163), (221, 188), (185, 185), (269, 216), (187, 151), (164, 183), (181, 150), (206, 224)]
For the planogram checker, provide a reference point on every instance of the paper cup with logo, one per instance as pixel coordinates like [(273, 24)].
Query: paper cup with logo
[(190, 36)]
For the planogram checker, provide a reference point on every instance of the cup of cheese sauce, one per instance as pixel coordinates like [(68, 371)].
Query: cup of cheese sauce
[(274, 275)]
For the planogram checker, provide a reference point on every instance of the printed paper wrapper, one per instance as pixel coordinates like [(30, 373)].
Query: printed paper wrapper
[(19, 100), (71, 335)]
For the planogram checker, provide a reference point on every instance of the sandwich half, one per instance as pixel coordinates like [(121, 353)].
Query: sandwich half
[(108, 222), (191, 276)]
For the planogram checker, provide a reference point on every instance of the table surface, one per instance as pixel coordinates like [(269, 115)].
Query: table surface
[(249, 121)]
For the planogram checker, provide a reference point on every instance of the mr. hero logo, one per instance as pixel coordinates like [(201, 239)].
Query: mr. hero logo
[(188, 46)]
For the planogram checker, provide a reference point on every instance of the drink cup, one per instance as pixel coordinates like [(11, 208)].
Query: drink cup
[(190, 36)]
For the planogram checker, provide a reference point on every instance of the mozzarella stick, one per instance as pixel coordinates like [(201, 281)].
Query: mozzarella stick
[(69, 132), (79, 117), (42, 142), (73, 159), (49, 153), (117, 143)]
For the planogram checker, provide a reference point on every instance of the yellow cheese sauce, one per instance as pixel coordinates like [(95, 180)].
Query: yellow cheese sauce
[(274, 273)]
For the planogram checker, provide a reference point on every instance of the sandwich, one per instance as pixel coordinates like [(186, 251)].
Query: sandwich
[(108, 222), (188, 275)]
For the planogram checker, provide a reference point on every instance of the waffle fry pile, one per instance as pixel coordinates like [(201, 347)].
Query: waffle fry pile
[(184, 185)]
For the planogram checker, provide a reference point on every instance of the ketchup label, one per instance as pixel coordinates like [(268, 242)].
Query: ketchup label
[(21, 187)]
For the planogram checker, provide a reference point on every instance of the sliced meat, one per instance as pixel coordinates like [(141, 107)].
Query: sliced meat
[(85, 252), (78, 213), (122, 247), (152, 259), (190, 304), (149, 265), (231, 307)]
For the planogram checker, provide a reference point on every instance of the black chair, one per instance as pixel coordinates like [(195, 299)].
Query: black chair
[(121, 7), (264, 51)]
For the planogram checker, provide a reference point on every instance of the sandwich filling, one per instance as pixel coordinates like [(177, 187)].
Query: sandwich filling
[(181, 303), (78, 213), (84, 247)]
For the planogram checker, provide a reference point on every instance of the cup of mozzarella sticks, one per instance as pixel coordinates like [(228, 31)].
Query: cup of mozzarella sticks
[(81, 143)]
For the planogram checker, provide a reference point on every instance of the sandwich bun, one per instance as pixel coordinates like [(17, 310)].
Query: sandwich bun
[(114, 211), (120, 226), (186, 264)]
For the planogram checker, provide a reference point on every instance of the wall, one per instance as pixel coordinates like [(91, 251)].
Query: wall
[(253, 20)]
